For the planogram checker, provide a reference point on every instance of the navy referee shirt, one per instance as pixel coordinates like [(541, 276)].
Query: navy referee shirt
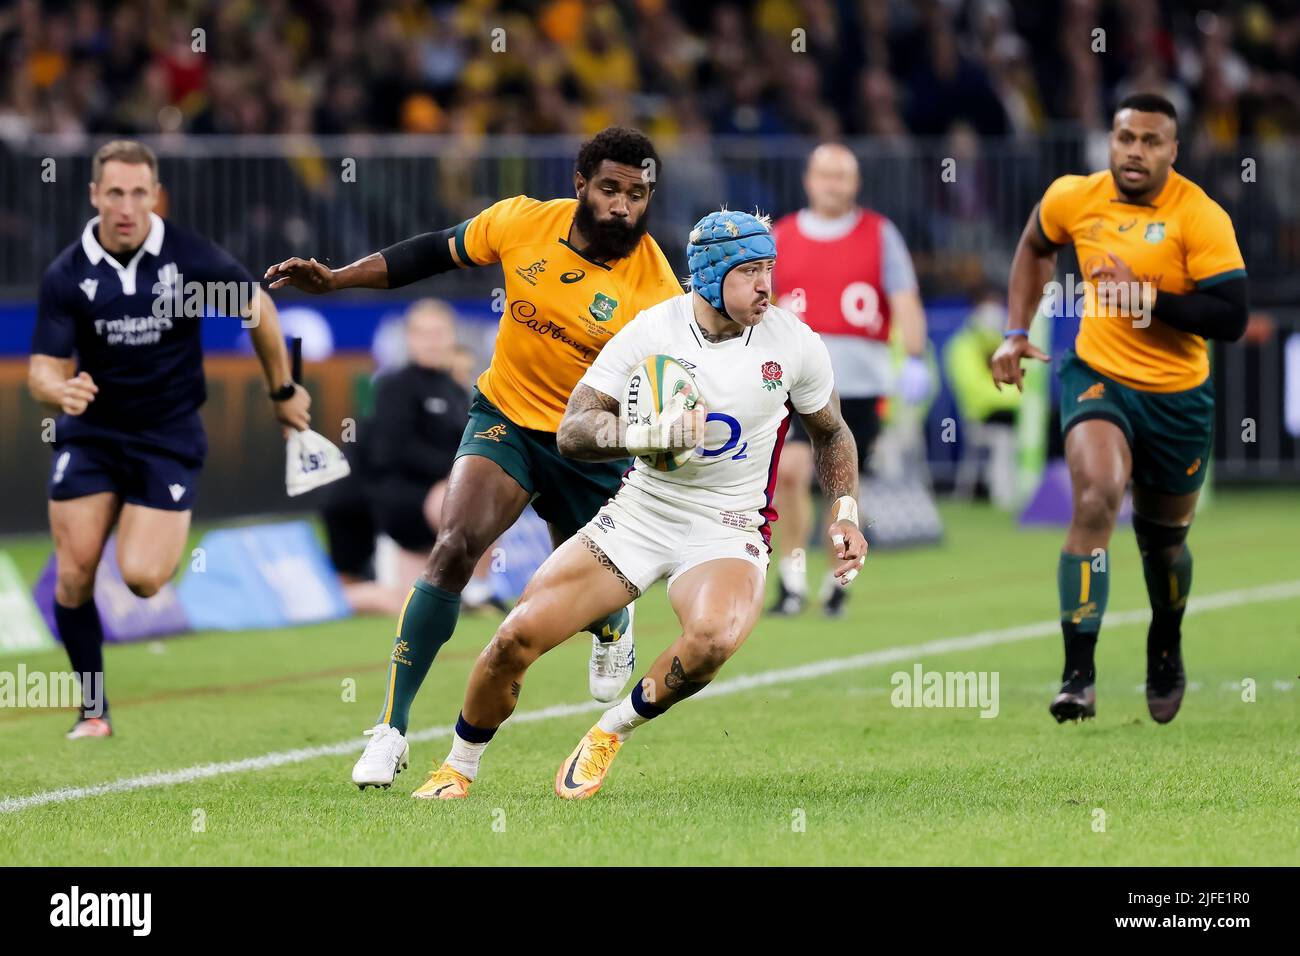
[(149, 368)]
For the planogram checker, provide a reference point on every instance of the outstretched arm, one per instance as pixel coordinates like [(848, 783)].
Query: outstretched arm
[(835, 459), (400, 264)]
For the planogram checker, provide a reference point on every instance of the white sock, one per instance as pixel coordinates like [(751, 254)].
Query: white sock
[(621, 719), (465, 756), (793, 575)]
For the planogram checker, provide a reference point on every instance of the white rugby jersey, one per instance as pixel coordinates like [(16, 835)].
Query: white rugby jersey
[(751, 386)]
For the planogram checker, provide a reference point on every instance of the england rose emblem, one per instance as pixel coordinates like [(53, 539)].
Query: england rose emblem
[(771, 375)]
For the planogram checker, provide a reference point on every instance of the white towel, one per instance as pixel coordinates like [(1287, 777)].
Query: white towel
[(311, 460)]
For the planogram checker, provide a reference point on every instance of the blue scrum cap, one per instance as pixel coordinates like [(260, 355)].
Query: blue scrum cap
[(720, 242)]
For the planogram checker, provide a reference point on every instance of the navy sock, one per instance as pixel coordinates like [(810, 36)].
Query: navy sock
[(83, 639), (643, 707), (471, 734)]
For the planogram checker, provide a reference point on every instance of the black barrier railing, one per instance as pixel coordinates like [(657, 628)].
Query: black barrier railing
[(960, 202), (265, 198), (1257, 408)]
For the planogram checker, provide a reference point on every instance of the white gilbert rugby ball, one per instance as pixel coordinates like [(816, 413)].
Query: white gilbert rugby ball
[(649, 389)]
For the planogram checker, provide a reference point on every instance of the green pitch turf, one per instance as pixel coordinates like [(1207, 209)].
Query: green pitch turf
[(813, 768)]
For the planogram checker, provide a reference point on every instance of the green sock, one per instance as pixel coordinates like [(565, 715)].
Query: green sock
[(426, 623), (1083, 584), (611, 628)]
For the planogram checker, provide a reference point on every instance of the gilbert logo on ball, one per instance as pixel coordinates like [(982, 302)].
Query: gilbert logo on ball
[(649, 391)]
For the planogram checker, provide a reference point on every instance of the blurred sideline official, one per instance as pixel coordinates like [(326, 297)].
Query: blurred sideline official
[(845, 270), (400, 461)]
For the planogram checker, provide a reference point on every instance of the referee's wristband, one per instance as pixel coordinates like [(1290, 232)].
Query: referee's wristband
[(283, 393), (1010, 332)]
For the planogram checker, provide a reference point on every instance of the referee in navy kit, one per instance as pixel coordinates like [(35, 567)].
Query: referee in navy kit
[(117, 349)]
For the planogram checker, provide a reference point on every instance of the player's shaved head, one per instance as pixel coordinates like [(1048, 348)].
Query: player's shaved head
[(1143, 146), (832, 179), (833, 156)]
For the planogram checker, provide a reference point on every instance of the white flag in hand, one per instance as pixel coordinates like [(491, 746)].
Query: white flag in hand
[(311, 460)]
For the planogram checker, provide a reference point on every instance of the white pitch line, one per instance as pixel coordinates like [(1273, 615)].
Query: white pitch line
[(1281, 591)]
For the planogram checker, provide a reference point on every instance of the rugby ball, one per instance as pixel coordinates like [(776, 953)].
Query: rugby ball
[(649, 390)]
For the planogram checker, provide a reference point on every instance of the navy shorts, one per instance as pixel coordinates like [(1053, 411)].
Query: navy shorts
[(139, 474)]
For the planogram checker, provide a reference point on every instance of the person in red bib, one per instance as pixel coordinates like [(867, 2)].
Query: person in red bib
[(845, 270)]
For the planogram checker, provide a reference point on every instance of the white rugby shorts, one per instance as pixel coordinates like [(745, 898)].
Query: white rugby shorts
[(648, 538)]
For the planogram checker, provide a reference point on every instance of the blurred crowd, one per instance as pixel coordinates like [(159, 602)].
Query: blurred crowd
[(1015, 92), (893, 68)]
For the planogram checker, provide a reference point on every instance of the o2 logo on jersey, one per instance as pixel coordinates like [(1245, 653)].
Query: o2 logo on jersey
[(733, 441), (860, 306)]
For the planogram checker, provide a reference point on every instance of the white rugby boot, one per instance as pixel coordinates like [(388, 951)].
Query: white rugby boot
[(386, 755), (612, 662)]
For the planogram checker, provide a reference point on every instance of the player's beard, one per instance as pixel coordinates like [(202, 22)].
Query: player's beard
[(608, 240)]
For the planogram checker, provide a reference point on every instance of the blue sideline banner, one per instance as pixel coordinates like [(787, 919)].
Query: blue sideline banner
[(518, 553), (270, 575)]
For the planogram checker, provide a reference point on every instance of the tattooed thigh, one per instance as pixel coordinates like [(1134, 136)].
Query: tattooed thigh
[(609, 565)]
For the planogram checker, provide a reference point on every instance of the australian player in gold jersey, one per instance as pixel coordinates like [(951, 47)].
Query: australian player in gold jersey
[(1163, 274), (576, 271)]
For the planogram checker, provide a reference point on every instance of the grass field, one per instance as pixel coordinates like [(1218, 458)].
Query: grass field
[(810, 766)]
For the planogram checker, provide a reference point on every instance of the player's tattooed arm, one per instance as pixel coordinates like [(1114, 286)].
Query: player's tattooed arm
[(590, 428), (835, 458), (835, 453), (593, 430)]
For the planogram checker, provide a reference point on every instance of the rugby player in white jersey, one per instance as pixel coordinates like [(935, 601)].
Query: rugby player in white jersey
[(704, 526)]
